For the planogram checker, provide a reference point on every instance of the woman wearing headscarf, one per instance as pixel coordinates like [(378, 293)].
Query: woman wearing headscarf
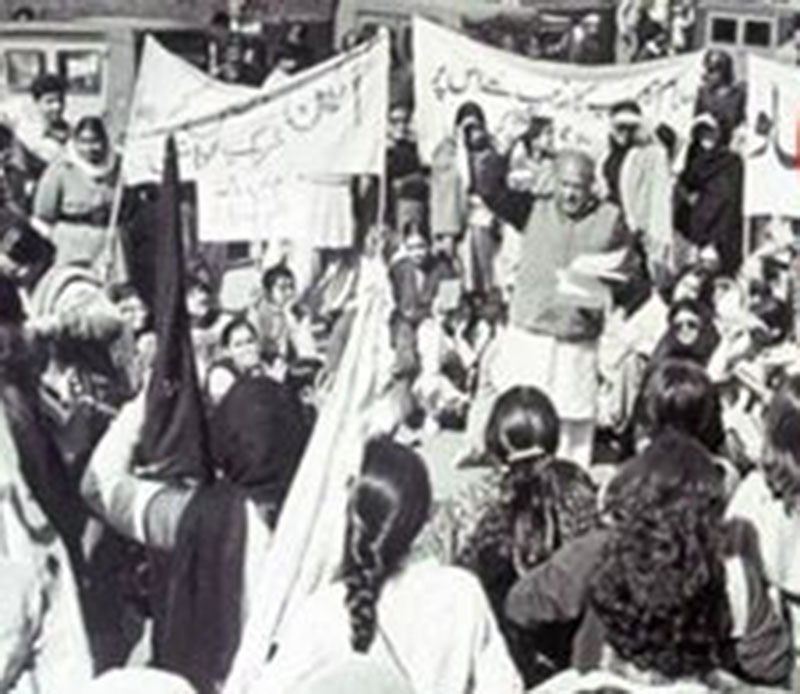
[(212, 535), (75, 196), (691, 334), (708, 197), (457, 209)]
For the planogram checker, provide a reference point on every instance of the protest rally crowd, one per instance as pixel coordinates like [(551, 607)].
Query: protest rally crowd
[(610, 341)]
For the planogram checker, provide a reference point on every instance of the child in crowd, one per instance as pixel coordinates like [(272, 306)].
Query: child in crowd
[(283, 334), (205, 317)]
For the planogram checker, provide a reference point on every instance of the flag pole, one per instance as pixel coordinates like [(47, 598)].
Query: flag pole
[(113, 240)]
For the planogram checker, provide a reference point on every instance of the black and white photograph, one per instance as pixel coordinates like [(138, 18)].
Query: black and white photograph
[(399, 347)]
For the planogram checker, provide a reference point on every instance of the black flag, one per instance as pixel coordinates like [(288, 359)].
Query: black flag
[(174, 443)]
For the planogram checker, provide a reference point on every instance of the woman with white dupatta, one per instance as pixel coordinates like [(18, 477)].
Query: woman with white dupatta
[(75, 196)]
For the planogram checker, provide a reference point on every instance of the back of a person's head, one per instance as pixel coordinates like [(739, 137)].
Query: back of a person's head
[(258, 437), (273, 274), (660, 588), (673, 475), (679, 395), (388, 505), (523, 424), (47, 84)]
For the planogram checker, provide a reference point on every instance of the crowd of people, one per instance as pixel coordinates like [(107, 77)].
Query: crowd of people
[(620, 372)]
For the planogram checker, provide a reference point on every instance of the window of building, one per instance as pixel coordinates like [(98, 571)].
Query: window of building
[(23, 67), (723, 30), (757, 34), (81, 70)]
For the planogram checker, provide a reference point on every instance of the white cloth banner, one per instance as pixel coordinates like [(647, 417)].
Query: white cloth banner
[(451, 69), (261, 158), (772, 156), (309, 541)]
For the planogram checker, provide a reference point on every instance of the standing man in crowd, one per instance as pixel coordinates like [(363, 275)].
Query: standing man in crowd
[(552, 342), (636, 175)]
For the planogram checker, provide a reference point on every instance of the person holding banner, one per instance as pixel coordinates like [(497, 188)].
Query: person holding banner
[(552, 341)]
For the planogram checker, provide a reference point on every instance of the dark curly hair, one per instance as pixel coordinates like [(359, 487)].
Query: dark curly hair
[(388, 506), (660, 588)]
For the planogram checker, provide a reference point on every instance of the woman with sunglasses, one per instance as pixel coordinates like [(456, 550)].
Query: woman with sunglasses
[(691, 334)]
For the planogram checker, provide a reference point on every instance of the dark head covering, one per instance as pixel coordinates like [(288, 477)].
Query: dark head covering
[(469, 109), (700, 351), (257, 439), (11, 311), (258, 436), (21, 242)]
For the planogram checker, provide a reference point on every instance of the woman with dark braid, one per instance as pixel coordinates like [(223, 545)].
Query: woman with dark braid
[(420, 623)]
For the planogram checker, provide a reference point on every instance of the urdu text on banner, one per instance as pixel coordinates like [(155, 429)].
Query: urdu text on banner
[(250, 151), (450, 69), (772, 156)]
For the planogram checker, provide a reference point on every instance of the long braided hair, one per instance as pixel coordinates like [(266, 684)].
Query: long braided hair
[(388, 506)]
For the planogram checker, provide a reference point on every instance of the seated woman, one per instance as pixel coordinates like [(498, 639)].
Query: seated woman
[(679, 395), (525, 508), (660, 595), (239, 344), (766, 507), (691, 333), (452, 645), (667, 504)]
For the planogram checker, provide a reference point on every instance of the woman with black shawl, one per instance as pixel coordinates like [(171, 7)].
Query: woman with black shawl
[(708, 196), (211, 535), (691, 334)]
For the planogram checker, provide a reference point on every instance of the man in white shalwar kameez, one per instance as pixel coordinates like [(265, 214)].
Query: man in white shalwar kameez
[(552, 339)]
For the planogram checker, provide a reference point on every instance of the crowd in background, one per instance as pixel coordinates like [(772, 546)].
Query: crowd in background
[(620, 370)]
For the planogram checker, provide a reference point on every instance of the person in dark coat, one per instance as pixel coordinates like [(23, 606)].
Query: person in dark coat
[(720, 94), (708, 205)]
